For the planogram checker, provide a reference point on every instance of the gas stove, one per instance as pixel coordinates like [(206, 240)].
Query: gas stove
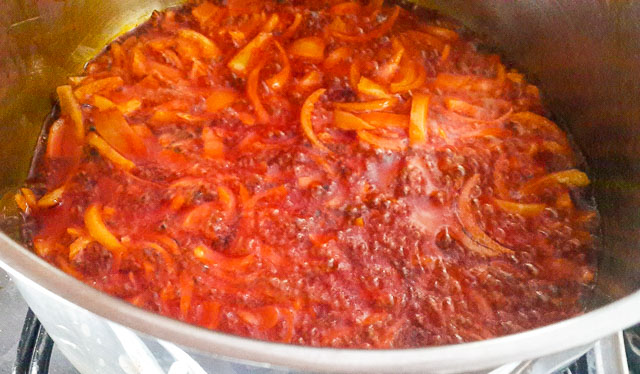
[(25, 347)]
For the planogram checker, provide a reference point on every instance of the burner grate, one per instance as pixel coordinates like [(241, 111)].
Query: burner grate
[(34, 348)]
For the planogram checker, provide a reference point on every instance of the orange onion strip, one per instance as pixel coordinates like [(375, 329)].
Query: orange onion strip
[(368, 87), (348, 7), (220, 99), (305, 119), (271, 23), (571, 178), (99, 231), (368, 106), (374, 34), (463, 107), (418, 119), (532, 121), (442, 32), (208, 48), (389, 69), (252, 92), (336, 56), (399, 145), (297, 20), (239, 64), (115, 130), (414, 76), (51, 198), (281, 78), (446, 51), (469, 224), (214, 258), (213, 147), (109, 153), (354, 74), (102, 85), (70, 107), (347, 121), (384, 119), (311, 48), (526, 210)]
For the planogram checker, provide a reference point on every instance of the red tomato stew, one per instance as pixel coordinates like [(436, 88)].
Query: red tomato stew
[(326, 174)]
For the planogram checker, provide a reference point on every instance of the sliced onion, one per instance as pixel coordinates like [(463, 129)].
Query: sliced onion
[(51, 198), (305, 119), (186, 294), (138, 62), (69, 106), (571, 178), (310, 80), (374, 34), (418, 119), (349, 7), (109, 153), (446, 51), (470, 226), (29, 197), (213, 147), (208, 48), (398, 145), (129, 106), (354, 74), (368, 106), (78, 245), (99, 231), (446, 81), (526, 210), (62, 141), (463, 107), (337, 56), (384, 119), (239, 64), (115, 130), (413, 77), (441, 32), (532, 121), (347, 121), (252, 92), (387, 71), (293, 27), (204, 12), (370, 88), (102, 103), (272, 23), (103, 85), (424, 39), (220, 100), (311, 48), (281, 78)]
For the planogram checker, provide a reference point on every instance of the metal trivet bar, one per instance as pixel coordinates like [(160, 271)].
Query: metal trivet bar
[(34, 349)]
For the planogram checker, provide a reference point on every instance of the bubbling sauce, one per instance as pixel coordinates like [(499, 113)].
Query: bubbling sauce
[(325, 174)]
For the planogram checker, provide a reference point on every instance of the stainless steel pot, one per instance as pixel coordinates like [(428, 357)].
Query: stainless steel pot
[(585, 55)]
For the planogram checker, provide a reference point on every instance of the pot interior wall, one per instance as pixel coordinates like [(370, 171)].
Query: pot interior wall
[(584, 55)]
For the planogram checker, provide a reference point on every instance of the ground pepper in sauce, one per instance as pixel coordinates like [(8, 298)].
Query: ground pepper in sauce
[(326, 174)]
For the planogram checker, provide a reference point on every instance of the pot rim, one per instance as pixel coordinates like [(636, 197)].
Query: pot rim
[(584, 329)]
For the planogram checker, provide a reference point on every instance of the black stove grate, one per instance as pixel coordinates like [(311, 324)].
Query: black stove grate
[(35, 348)]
